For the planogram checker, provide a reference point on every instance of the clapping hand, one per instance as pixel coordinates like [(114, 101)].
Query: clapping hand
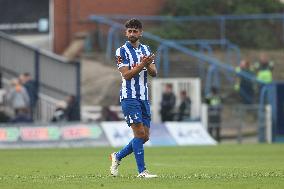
[(147, 60)]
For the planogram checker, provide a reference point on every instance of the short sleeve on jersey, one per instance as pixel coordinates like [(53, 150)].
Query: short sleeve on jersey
[(121, 59)]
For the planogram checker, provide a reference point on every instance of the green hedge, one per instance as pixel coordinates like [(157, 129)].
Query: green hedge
[(250, 33)]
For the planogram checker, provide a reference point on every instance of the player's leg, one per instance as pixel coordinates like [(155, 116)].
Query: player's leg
[(146, 173), (137, 145), (147, 134), (128, 148), (125, 151), (117, 156), (132, 113), (146, 119)]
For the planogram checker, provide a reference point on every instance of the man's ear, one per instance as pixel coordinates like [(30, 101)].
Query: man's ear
[(141, 33)]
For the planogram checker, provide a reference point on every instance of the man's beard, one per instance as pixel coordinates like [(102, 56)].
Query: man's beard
[(133, 39)]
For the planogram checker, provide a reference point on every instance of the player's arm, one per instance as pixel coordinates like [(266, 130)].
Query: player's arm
[(152, 70), (129, 74)]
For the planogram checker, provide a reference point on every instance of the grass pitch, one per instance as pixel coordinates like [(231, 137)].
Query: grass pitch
[(223, 166)]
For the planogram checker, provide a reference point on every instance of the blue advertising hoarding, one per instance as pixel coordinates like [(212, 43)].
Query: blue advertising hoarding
[(278, 113)]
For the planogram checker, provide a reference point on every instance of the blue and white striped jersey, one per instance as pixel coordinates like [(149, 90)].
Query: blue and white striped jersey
[(129, 56)]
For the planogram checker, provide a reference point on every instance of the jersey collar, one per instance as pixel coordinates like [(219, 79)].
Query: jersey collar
[(128, 44)]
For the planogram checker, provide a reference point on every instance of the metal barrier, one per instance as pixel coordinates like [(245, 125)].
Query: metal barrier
[(244, 127), (247, 127), (222, 22), (267, 96), (15, 58), (45, 108), (58, 77), (165, 45), (205, 47), (54, 76)]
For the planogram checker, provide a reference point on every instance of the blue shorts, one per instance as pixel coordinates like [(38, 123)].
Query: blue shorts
[(136, 111)]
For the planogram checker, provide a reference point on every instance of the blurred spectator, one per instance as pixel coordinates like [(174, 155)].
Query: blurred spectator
[(168, 103), (22, 116), (263, 69), (4, 118), (108, 115), (72, 111), (31, 88), (17, 96), (2, 95), (1, 81), (245, 86), (59, 113), (214, 102), (184, 107)]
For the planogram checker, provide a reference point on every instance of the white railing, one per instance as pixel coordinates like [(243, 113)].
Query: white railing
[(94, 113)]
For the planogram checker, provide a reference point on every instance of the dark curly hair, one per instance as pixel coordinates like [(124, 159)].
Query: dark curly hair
[(133, 23)]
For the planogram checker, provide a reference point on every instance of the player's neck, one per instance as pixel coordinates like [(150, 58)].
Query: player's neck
[(136, 44)]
